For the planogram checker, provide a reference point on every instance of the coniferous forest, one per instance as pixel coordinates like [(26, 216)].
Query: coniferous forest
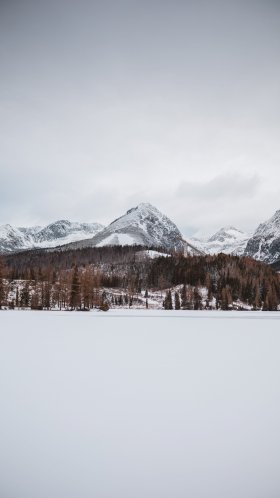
[(126, 277)]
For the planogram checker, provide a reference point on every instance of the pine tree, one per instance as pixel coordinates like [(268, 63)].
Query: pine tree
[(17, 298), (184, 297), (197, 299), (25, 296), (104, 305), (75, 294), (2, 288), (167, 303), (270, 303), (177, 301), (35, 301)]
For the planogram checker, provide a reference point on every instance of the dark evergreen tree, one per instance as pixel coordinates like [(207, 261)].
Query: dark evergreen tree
[(167, 303), (75, 294), (197, 299), (177, 301), (25, 296), (184, 297), (17, 297), (2, 287)]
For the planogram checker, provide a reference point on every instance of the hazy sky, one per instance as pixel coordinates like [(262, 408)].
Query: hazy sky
[(105, 104)]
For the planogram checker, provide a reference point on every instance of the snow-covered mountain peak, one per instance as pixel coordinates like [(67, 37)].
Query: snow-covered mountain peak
[(145, 225), (227, 233), (265, 243), (64, 231), (141, 225), (30, 230), (54, 230), (271, 226), (143, 206), (9, 231), (138, 214), (5, 229), (228, 240), (12, 238), (57, 233)]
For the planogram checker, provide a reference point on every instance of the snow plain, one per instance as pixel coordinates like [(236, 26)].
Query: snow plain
[(139, 404)]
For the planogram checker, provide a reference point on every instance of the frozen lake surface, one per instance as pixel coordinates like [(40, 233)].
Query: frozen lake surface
[(135, 404)]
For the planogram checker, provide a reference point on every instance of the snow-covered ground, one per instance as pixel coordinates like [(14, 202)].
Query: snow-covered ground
[(139, 404)]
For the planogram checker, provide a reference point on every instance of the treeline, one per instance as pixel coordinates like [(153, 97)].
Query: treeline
[(226, 278), (119, 276), (80, 288), (66, 289), (31, 264)]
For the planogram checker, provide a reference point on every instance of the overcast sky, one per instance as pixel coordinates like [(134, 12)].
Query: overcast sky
[(105, 104)]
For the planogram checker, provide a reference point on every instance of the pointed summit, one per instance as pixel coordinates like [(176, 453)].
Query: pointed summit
[(141, 225), (227, 233), (228, 240)]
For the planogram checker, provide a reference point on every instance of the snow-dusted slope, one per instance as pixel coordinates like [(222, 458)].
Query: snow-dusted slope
[(142, 225), (63, 232), (30, 230), (150, 254), (228, 240), (265, 243), (59, 233), (13, 239)]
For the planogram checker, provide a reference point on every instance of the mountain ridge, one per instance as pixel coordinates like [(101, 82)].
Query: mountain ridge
[(141, 225), (145, 225), (264, 245), (228, 240), (57, 233)]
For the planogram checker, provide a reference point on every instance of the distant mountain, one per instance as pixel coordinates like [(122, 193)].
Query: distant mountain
[(145, 225), (13, 239), (30, 230), (265, 242), (142, 225), (228, 240), (63, 231), (59, 233)]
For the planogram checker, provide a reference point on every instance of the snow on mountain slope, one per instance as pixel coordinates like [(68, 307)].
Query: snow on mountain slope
[(121, 239), (63, 232), (143, 225), (228, 240), (59, 233), (264, 245), (12, 239), (30, 230), (151, 254)]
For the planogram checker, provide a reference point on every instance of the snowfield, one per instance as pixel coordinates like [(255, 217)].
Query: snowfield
[(139, 404)]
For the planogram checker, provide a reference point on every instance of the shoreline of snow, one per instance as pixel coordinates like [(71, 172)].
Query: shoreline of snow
[(152, 313)]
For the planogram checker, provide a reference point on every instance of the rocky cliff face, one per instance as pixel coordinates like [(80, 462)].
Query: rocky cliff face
[(265, 243)]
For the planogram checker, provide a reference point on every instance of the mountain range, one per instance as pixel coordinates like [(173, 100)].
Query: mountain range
[(56, 234), (145, 225), (228, 240), (142, 225)]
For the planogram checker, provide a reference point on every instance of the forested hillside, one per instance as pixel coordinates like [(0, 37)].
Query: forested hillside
[(129, 276)]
